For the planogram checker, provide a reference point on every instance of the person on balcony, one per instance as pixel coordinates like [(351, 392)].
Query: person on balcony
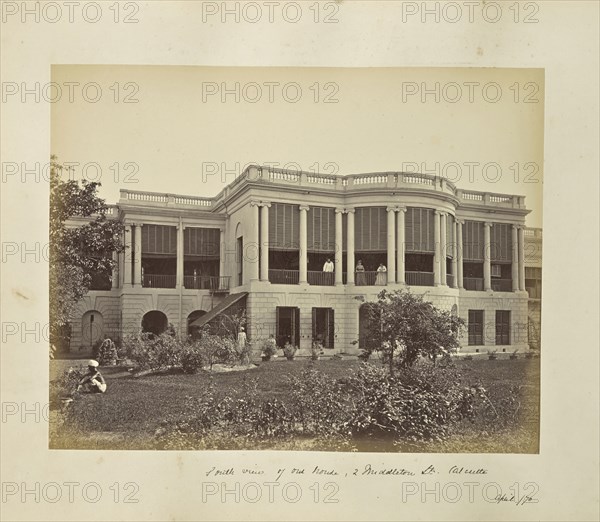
[(381, 279), (92, 381), (360, 274), (328, 271)]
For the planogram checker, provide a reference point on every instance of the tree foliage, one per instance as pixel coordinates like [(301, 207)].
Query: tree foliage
[(404, 327), (76, 252)]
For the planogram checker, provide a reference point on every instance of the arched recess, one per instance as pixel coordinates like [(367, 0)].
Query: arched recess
[(194, 330), (92, 328), (155, 322)]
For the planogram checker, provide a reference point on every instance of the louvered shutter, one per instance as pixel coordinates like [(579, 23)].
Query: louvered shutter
[(159, 239), (409, 235), (473, 241), (449, 236), (501, 242), (283, 227), (201, 242)]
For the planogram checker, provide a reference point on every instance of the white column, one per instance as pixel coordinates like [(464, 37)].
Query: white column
[(391, 244), (303, 245), (264, 242), (128, 261), (222, 256), (180, 256), (400, 247), (338, 246), (350, 247), (251, 254), (115, 271), (443, 271), (487, 257), (437, 272), (137, 269), (459, 252), (122, 257), (515, 259), (521, 237), (454, 255)]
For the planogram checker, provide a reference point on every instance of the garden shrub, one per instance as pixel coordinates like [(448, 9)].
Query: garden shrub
[(192, 358), (153, 352), (107, 353), (66, 384), (217, 350), (422, 403), (419, 403), (317, 402)]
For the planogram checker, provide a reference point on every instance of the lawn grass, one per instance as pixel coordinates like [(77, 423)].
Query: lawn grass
[(130, 412)]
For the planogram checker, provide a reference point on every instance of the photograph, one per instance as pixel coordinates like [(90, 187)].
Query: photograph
[(250, 258), (326, 260)]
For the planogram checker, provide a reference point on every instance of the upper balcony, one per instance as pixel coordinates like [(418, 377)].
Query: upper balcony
[(354, 183), (349, 184), (144, 198)]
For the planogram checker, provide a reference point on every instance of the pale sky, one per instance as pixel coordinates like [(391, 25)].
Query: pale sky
[(181, 127)]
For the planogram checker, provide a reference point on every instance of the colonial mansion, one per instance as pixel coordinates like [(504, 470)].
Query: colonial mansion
[(301, 253)]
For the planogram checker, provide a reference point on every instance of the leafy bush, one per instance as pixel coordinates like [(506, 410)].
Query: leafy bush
[(269, 348), (421, 403), (192, 358), (318, 405), (289, 350), (107, 353), (66, 385), (153, 352), (316, 350), (217, 350)]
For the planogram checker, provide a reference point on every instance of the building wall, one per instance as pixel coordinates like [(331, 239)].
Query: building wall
[(122, 312), (262, 315), (489, 303)]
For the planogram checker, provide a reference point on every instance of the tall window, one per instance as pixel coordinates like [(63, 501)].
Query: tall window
[(475, 327), (533, 282), (287, 325), (502, 327)]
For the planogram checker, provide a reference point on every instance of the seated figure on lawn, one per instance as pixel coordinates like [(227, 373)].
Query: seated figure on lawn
[(92, 381)]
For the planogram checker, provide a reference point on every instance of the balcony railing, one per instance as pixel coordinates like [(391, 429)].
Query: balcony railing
[(284, 277), (158, 281), (370, 278), (502, 285), (320, 278), (419, 278), (473, 283), (450, 280), (206, 282)]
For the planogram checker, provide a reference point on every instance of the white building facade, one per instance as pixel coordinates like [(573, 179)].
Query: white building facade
[(262, 244)]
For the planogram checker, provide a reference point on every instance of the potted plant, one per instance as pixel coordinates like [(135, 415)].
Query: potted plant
[(514, 355), (289, 350), (316, 351), (492, 355), (269, 349)]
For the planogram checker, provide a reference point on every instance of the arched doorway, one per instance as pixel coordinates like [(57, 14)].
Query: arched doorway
[(194, 330), (92, 328), (155, 322)]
